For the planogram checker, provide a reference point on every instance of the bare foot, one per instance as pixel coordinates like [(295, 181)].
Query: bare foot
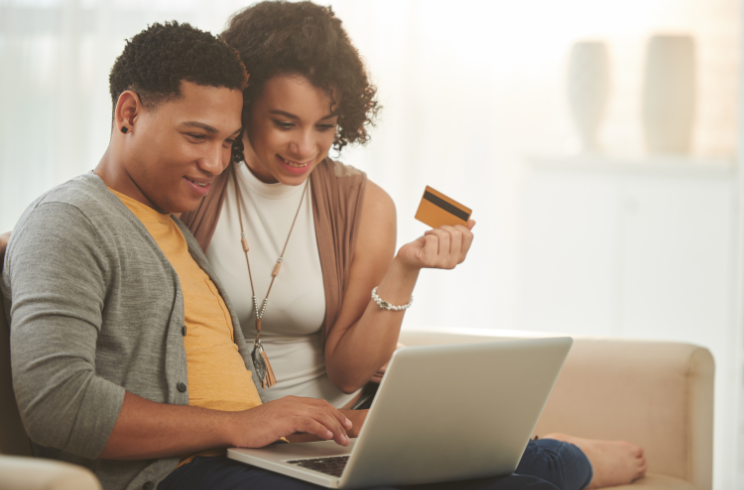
[(614, 462)]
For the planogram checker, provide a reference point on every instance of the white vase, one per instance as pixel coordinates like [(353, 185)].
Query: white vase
[(588, 90), (669, 94)]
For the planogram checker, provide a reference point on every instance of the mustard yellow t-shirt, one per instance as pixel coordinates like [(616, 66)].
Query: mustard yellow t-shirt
[(217, 376)]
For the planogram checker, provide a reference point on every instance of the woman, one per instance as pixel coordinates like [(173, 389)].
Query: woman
[(316, 237)]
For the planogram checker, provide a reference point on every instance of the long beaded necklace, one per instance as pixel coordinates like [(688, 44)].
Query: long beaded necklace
[(258, 355)]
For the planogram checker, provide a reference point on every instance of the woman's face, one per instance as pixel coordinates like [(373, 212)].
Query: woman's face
[(290, 130)]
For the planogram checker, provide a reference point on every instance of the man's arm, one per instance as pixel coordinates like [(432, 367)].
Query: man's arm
[(58, 279), (146, 429), (56, 273)]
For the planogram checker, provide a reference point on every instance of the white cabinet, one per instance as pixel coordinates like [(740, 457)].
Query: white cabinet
[(636, 248)]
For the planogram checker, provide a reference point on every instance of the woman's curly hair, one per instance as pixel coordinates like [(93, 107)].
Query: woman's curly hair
[(276, 38)]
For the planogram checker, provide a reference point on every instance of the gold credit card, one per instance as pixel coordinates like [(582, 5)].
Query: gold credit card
[(436, 210)]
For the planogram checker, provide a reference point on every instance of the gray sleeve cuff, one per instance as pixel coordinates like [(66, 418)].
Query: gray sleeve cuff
[(99, 409)]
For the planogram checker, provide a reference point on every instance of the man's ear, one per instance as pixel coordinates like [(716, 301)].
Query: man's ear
[(128, 108)]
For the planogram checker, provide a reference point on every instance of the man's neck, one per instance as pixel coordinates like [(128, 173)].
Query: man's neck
[(113, 173)]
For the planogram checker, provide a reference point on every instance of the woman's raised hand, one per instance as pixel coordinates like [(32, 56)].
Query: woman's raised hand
[(440, 248)]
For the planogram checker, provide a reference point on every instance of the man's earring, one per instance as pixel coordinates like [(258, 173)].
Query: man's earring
[(124, 129)]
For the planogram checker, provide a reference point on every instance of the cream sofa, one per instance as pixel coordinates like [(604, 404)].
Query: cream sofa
[(656, 394)]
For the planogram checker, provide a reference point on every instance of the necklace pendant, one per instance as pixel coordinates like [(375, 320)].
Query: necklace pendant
[(261, 363), (263, 367), (258, 362)]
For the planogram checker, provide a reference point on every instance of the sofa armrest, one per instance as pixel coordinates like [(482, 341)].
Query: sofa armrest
[(43, 474), (655, 394)]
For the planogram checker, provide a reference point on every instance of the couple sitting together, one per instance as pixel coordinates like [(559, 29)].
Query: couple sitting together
[(129, 324)]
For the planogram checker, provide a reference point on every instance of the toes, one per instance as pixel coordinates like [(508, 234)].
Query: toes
[(633, 449)]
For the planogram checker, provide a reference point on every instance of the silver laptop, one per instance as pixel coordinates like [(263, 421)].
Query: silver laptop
[(442, 413)]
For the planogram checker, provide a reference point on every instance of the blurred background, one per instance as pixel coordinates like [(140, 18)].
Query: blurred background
[(596, 141)]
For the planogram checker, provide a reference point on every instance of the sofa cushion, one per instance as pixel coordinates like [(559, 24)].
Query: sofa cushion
[(654, 481), (43, 474)]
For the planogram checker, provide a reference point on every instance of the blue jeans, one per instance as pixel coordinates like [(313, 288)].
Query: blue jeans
[(562, 464), (546, 465)]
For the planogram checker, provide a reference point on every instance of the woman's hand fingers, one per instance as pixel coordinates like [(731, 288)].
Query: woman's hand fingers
[(456, 238), (453, 243), (443, 243), (442, 248), (467, 241)]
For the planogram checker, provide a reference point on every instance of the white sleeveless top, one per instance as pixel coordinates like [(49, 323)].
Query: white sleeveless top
[(291, 326)]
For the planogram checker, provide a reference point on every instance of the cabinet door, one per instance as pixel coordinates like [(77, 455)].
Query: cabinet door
[(640, 254), (570, 241), (678, 260)]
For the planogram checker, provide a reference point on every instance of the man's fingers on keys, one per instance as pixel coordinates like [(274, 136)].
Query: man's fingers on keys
[(327, 415), (345, 422), (309, 425), (335, 425)]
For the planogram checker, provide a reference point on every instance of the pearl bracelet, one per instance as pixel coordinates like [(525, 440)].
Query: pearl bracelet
[(384, 305)]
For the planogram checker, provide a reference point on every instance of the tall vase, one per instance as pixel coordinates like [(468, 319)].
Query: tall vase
[(669, 94), (588, 90)]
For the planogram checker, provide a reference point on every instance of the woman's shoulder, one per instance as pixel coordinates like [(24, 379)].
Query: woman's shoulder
[(376, 200), (335, 169), (375, 196)]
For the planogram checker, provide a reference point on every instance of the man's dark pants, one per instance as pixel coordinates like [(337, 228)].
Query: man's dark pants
[(560, 466)]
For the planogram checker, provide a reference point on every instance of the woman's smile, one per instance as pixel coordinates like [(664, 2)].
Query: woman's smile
[(300, 167)]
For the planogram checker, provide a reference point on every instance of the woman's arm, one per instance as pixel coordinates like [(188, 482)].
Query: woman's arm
[(364, 337)]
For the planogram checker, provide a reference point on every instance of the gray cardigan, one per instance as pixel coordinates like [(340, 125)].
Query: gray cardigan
[(95, 309)]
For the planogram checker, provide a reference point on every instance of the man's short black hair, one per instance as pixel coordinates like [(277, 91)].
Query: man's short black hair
[(155, 61)]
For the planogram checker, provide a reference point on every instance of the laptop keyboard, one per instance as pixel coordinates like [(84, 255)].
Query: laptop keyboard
[(333, 466)]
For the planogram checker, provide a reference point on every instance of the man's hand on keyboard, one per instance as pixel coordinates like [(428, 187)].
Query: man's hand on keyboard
[(262, 425)]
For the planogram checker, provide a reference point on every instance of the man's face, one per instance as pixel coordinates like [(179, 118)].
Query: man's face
[(179, 146)]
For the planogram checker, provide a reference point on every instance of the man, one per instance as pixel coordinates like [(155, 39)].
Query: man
[(126, 356), (97, 310)]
